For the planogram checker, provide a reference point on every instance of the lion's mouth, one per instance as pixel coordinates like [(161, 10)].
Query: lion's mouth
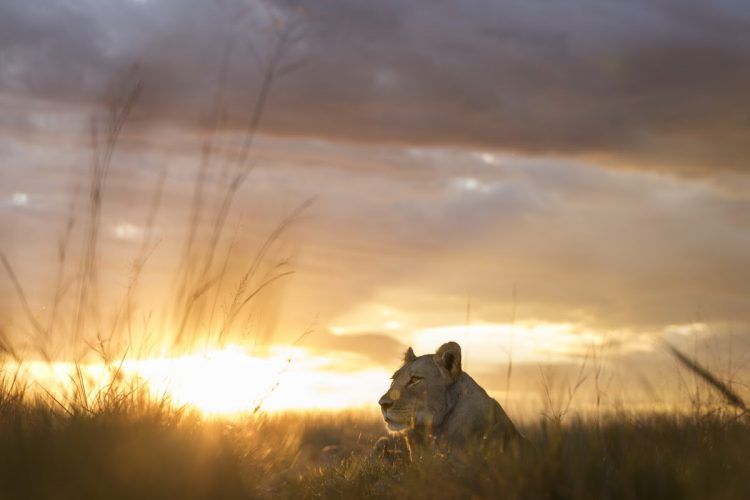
[(394, 425)]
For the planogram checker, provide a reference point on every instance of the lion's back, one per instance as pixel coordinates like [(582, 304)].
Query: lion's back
[(477, 417)]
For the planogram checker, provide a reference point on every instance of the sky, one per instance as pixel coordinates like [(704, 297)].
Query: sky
[(531, 178)]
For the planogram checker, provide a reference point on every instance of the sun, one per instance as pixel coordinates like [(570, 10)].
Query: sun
[(221, 381), (231, 381)]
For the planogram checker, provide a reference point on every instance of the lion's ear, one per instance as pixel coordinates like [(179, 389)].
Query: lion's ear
[(449, 357), (409, 355)]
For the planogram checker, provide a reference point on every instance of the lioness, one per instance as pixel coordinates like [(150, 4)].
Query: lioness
[(432, 400)]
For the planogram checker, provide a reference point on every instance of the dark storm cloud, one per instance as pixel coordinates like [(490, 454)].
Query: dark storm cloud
[(659, 83)]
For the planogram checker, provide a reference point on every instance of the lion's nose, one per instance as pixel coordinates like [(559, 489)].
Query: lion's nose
[(385, 402)]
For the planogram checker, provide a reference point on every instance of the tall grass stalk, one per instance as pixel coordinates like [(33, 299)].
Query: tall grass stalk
[(109, 335)]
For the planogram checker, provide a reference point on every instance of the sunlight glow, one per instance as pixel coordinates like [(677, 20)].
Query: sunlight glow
[(227, 382), (493, 343), (232, 381)]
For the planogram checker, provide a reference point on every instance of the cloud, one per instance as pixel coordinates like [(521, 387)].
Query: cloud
[(651, 84), (607, 249), (377, 348), (394, 227), (17, 199), (394, 237)]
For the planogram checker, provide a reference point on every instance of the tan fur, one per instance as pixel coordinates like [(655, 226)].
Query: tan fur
[(431, 399)]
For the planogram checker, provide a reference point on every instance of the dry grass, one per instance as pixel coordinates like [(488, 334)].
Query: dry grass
[(141, 449)]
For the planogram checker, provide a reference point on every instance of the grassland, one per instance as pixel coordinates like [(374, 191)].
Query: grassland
[(140, 449), (124, 445)]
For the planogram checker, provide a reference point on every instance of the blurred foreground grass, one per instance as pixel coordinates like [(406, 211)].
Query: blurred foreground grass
[(150, 450)]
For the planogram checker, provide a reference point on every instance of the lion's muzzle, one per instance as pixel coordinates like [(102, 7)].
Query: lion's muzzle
[(385, 402)]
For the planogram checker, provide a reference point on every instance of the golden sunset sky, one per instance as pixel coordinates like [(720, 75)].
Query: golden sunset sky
[(536, 180)]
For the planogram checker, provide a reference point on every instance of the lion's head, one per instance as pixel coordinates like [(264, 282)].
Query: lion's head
[(419, 396)]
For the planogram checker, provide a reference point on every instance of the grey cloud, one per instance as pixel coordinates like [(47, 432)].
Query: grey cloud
[(613, 250), (378, 348), (659, 84)]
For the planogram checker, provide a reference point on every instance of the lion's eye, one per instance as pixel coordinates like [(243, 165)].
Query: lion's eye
[(414, 380)]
